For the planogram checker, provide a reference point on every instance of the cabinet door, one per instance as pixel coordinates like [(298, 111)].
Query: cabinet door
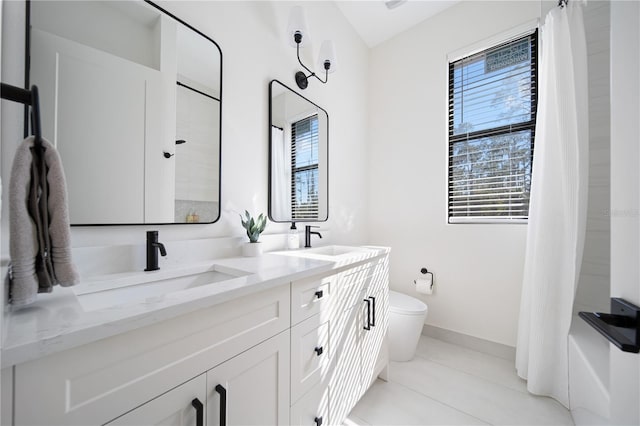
[(374, 337), (178, 407), (253, 387), (345, 382)]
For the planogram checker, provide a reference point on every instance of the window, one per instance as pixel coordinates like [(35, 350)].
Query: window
[(304, 169), (492, 118)]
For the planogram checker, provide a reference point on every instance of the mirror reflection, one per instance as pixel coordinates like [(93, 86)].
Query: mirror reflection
[(130, 96), (299, 157)]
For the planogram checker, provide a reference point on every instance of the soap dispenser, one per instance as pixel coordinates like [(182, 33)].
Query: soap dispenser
[(293, 240)]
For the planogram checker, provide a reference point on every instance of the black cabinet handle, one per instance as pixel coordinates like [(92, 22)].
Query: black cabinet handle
[(373, 311), (318, 350), (319, 294), (199, 411), (223, 404), (368, 326), (318, 421)]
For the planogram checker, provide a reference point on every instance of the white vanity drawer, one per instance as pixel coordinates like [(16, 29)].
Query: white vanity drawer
[(311, 296), (94, 383), (310, 355), (313, 408)]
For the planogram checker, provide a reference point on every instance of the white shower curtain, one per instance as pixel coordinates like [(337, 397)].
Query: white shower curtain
[(558, 206), (281, 174)]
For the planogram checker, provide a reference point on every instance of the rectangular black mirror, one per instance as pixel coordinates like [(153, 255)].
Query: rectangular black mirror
[(131, 98), (298, 157)]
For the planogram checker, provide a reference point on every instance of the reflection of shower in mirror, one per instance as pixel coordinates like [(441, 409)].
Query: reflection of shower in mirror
[(160, 81)]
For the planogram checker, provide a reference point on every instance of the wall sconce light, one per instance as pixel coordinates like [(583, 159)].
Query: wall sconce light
[(298, 34)]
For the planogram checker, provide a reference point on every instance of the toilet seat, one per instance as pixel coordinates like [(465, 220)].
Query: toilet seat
[(403, 304)]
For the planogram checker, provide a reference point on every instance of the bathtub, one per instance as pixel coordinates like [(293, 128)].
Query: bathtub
[(588, 375)]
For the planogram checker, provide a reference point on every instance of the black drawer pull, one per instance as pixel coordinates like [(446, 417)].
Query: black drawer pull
[(373, 311), (223, 404), (318, 421), (318, 350), (368, 326), (199, 411), (319, 294)]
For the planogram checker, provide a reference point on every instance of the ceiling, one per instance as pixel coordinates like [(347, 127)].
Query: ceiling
[(376, 23)]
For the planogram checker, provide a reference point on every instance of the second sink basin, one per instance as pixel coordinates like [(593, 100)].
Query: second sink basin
[(147, 287), (335, 250), (334, 253)]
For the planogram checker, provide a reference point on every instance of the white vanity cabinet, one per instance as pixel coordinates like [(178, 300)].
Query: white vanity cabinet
[(301, 352), (98, 382), (350, 328)]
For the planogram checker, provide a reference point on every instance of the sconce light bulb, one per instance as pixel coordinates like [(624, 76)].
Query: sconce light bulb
[(297, 37), (327, 65)]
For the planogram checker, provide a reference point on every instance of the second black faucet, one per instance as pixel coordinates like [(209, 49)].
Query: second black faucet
[(153, 245), (308, 233)]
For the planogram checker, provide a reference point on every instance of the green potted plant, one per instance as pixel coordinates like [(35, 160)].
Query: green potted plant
[(254, 228)]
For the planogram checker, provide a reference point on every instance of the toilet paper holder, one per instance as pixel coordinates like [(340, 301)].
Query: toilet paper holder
[(425, 284), (424, 271)]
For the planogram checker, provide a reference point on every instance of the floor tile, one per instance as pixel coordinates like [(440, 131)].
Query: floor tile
[(483, 399), (446, 384), (388, 403), (491, 368)]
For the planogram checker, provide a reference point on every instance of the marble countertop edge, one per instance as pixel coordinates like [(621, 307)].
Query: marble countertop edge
[(58, 322)]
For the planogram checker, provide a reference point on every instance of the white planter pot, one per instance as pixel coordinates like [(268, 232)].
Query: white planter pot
[(252, 249)]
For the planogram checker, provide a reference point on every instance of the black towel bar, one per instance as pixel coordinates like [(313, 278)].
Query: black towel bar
[(27, 97)]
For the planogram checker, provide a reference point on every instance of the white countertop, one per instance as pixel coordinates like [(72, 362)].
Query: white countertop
[(57, 321)]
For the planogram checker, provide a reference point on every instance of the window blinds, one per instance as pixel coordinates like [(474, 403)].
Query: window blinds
[(492, 115), (304, 169)]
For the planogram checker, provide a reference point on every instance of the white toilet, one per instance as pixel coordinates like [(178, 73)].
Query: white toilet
[(406, 318)]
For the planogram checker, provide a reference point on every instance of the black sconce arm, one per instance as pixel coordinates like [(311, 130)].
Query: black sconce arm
[(312, 74)]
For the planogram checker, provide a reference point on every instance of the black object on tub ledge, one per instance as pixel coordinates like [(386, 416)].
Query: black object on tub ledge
[(621, 327)]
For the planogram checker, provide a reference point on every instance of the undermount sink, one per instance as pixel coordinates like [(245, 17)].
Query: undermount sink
[(333, 252), (148, 287)]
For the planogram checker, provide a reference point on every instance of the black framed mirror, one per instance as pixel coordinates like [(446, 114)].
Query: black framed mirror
[(131, 96), (298, 157)]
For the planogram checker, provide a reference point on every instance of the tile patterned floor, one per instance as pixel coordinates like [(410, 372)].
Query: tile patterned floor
[(446, 384)]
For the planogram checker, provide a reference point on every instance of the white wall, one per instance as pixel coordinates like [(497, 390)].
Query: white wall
[(625, 198), (594, 283), (478, 268), (251, 36)]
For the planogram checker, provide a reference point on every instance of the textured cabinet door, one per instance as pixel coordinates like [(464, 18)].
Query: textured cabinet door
[(345, 382), (375, 352), (173, 408), (253, 387)]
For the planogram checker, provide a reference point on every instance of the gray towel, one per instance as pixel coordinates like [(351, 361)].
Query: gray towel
[(40, 238)]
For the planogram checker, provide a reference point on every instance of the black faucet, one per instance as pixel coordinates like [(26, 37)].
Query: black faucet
[(307, 235), (152, 251)]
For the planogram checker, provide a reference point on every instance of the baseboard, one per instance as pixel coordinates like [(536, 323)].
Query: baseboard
[(475, 343)]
